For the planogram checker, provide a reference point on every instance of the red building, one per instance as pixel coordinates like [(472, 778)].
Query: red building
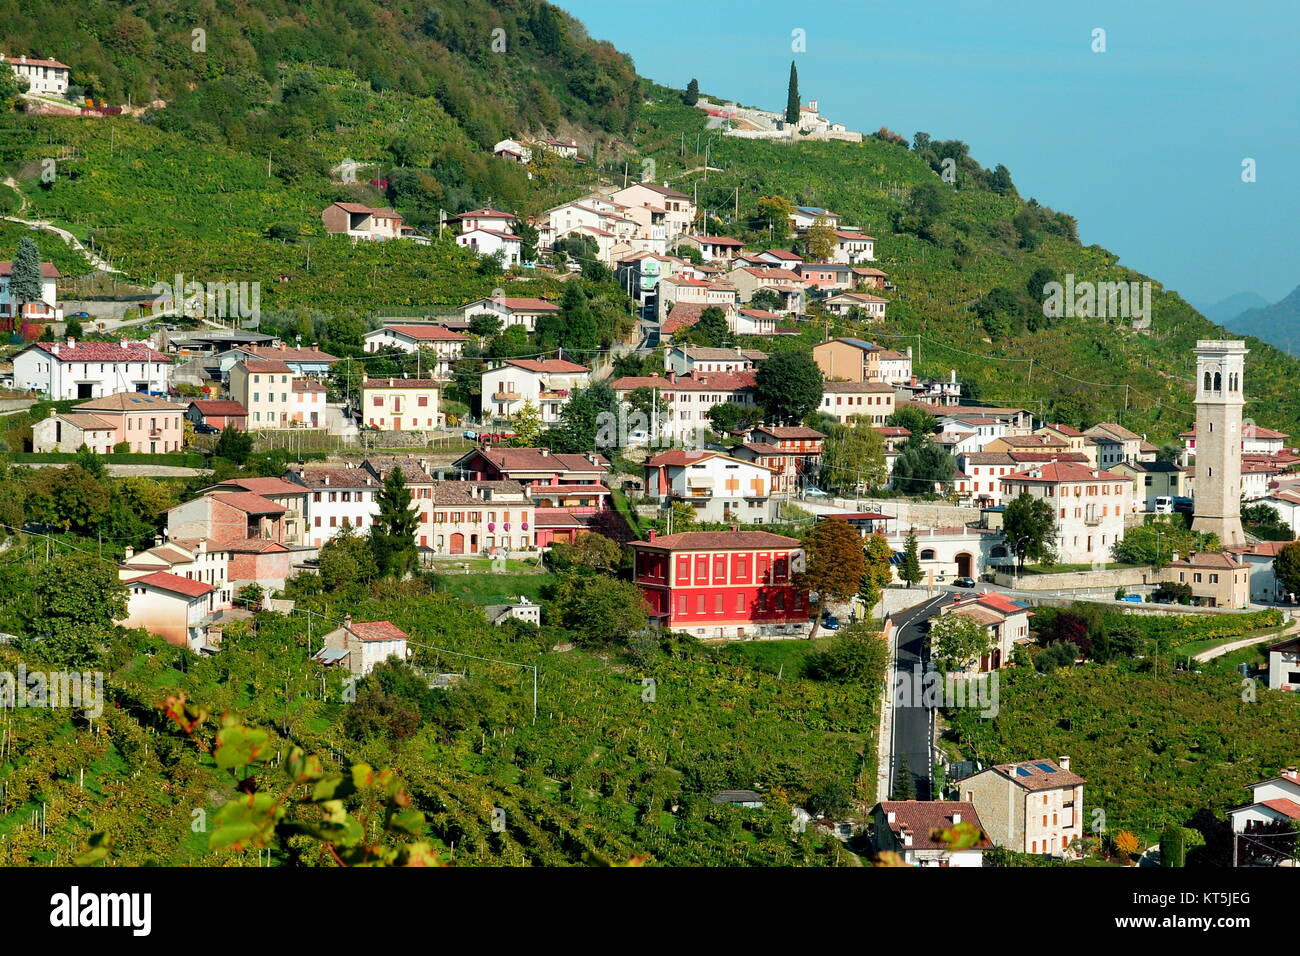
[(722, 583)]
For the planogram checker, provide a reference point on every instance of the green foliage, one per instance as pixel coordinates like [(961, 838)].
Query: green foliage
[(792, 101), (392, 535), (592, 551), (835, 561), (958, 641), (233, 445), (788, 386), (1029, 526), (916, 420), (347, 560), (922, 465), (910, 569), (853, 458), (856, 654), (1154, 544), (596, 608), (580, 419), (1287, 567), (710, 331)]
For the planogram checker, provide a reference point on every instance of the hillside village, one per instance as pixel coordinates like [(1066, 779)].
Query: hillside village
[(730, 456)]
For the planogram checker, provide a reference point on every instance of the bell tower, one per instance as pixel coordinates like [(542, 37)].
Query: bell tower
[(1219, 399)]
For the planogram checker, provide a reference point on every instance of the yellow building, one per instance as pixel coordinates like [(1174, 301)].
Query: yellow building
[(401, 404)]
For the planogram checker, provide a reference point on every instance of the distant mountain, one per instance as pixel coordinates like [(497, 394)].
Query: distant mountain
[(1228, 309), (1278, 324)]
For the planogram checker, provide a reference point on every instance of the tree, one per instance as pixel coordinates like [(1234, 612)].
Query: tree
[(853, 457), (958, 642), (857, 654), (904, 785), (919, 467), (788, 386), (233, 445), (1172, 592), (527, 234), (692, 95), (877, 572), (73, 329), (820, 240), (835, 564), (392, 536), (792, 101), (527, 426), (777, 211), (732, 416), (1286, 567), (591, 551), (485, 325), (1153, 545), (12, 86), (710, 330), (916, 420), (346, 560), (1029, 526), (580, 419), (78, 597), (599, 609), (1173, 846), (1264, 521), (68, 498), (910, 570), (25, 280), (91, 462)]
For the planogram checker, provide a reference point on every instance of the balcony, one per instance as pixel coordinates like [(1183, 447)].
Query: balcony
[(504, 396), (557, 395)]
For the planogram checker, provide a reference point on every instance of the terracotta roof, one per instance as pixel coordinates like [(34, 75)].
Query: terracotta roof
[(412, 469), (1264, 549), (307, 385), (463, 492), (790, 431), (344, 478), (48, 270), (715, 381), (373, 383), (532, 459), (782, 254), (718, 241), (679, 457), (720, 541), (1284, 806), (167, 581), (219, 407), (1027, 441), (853, 236), (1110, 429), (857, 297), (426, 333), (1208, 559), (705, 353), (130, 402), (854, 387), (923, 816), (547, 365), (89, 423), (250, 503), (524, 304), (286, 354), (377, 631), (251, 546), (1023, 457), (978, 614), (1034, 777), (29, 61), (1065, 471), (101, 352), (663, 190), (487, 213), (257, 366), (263, 486), (630, 382), (556, 518)]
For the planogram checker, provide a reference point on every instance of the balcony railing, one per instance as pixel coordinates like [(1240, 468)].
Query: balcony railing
[(506, 396)]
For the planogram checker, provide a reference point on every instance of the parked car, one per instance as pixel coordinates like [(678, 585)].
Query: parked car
[(964, 582), (830, 622), (1132, 598), (638, 437), (205, 429), (78, 315), (469, 433)]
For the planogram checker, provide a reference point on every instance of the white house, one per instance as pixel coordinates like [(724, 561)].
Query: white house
[(805, 217), (437, 341), (337, 495), (48, 77), (679, 211), (1274, 799), (854, 247), (843, 400), (1286, 502), (715, 248), (685, 359), (1259, 557), (756, 322), (1284, 665), (47, 309), (904, 827), (870, 305), (512, 310), (72, 369), (361, 222), (1089, 506), (986, 429), (489, 242), (512, 150), (171, 607), (719, 487), (496, 220), (546, 383)]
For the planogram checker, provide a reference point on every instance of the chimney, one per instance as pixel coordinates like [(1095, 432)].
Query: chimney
[(125, 344), (1063, 763), (907, 836), (71, 342), (889, 816), (956, 819), (130, 553), (653, 534), (325, 480), (735, 528), (347, 621), (545, 452), (952, 375), (157, 541)]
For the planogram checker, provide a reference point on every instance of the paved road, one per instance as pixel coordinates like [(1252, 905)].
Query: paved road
[(912, 732)]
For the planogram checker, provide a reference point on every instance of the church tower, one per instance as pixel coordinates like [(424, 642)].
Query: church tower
[(1219, 369)]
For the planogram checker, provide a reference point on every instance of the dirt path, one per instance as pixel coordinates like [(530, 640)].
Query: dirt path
[(69, 238)]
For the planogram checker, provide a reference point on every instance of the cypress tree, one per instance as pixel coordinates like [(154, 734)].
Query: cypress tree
[(792, 97), (692, 92), (392, 536), (910, 570), (25, 282)]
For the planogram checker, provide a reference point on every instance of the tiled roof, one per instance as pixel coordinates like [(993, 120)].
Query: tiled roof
[(345, 478), (679, 457), (630, 382), (705, 353), (720, 541), (1208, 559), (922, 817), (54, 64), (856, 387), (307, 385), (89, 423), (525, 304), (532, 459), (374, 383), (463, 492), (219, 407), (1034, 777), (130, 402), (263, 486), (286, 354), (101, 352), (547, 365), (378, 631), (250, 503), (1030, 441), (1065, 471), (1118, 432), (48, 271), (789, 431), (258, 366), (251, 546), (1283, 806), (426, 333), (167, 581), (412, 469)]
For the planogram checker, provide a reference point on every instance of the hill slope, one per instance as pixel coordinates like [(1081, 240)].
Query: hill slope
[(1278, 323)]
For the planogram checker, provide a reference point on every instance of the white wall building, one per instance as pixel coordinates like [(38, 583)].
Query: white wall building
[(546, 383), (1089, 505), (72, 369)]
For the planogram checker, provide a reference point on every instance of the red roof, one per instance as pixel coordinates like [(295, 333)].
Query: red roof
[(526, 304), (219, 407), (429, 333), (250, 503), (48, 271), (546, 365), (920, 817), (720, 541), (28, 61), (718, 241), (259, 366), (679, 456), (1065, 471), (1284, 806), (264, 486), (487, 213), (373, 383), (629, 382), (377, 631), (101, 352), (167, 581), (285, 354)]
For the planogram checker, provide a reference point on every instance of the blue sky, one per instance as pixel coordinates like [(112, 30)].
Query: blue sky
[(1142, 143)]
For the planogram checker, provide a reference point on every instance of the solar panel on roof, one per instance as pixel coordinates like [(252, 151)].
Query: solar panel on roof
[(1045, 767), (1024, 772)]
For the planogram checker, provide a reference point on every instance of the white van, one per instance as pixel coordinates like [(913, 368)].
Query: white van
[(1164, 505)]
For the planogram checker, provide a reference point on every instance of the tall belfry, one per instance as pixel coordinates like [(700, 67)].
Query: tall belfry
[(1219, 376)]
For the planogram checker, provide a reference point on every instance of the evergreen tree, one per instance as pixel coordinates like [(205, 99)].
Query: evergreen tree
[(904, 786), (25, 280), (792, 96), (910, 570), (392, 536), (692, 92)]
